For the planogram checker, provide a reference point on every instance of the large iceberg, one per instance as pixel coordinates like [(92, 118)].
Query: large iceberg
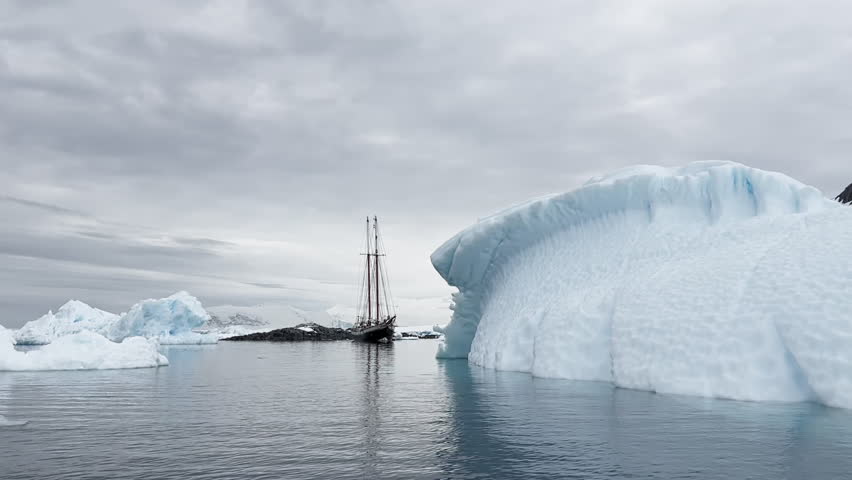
[(170, 320), (84, 350), (714, 279)]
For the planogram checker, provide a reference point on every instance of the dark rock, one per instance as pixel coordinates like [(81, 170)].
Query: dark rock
[(845, 196), (294, 334)]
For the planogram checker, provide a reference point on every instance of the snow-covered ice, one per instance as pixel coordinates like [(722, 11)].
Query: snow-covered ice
[(84, 350), (170, 320), (73, 317), (714, 279), (80, 337), (419, 328)]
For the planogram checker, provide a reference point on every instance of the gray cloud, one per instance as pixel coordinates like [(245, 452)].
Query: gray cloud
[(41, 206), (231, 149)]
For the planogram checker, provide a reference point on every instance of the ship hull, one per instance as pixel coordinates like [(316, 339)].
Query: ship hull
[(374, 334)]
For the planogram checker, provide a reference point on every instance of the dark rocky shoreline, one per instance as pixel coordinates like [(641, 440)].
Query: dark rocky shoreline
[(295, 334)]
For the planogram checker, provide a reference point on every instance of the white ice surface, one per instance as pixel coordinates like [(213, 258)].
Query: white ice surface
[(83, 350), (170, 320), (73, 317), (419, 328), (714, 279)]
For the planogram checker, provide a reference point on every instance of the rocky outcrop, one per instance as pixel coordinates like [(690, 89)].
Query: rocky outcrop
[(306, 332), (845, 196)]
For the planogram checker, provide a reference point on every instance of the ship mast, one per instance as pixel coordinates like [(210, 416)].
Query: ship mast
[(374, 322), (369, 278), (375, 280), (376, 245)]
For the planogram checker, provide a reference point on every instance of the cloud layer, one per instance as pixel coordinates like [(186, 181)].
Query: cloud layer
[(232, 148)]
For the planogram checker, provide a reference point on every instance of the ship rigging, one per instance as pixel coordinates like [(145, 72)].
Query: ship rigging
[(376, 317)]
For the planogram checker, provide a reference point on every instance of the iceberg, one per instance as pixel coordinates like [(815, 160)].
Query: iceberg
[(169, 320), (84, 350), (714, 279), (73, 317)]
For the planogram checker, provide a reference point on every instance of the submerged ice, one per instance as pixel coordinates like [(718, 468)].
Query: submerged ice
[(169, 320), (715, 279)]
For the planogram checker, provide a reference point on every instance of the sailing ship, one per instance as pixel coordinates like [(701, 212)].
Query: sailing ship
[(376, 317)]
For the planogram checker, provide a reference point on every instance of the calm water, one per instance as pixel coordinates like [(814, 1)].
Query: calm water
[(344, 410)]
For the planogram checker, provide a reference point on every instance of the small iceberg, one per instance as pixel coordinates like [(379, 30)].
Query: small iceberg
[(85, 350), (169, 320)]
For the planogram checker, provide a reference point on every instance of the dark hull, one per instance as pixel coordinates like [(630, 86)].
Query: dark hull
[(375, 334)]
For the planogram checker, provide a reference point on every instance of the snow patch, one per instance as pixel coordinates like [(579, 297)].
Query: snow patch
[(419, 328), (230, 320)]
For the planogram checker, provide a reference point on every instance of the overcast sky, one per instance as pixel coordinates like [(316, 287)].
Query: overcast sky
[(233, 148)]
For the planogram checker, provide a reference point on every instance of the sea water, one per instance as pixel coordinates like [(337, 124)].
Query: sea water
[(346, 410)]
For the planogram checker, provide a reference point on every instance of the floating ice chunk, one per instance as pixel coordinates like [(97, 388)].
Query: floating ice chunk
[(419, 328), (715, 279), (83, 350)]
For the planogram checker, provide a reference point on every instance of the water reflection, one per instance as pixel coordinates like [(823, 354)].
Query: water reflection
[(473, 450), (372, 358), (345, 410), (512, 425)]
